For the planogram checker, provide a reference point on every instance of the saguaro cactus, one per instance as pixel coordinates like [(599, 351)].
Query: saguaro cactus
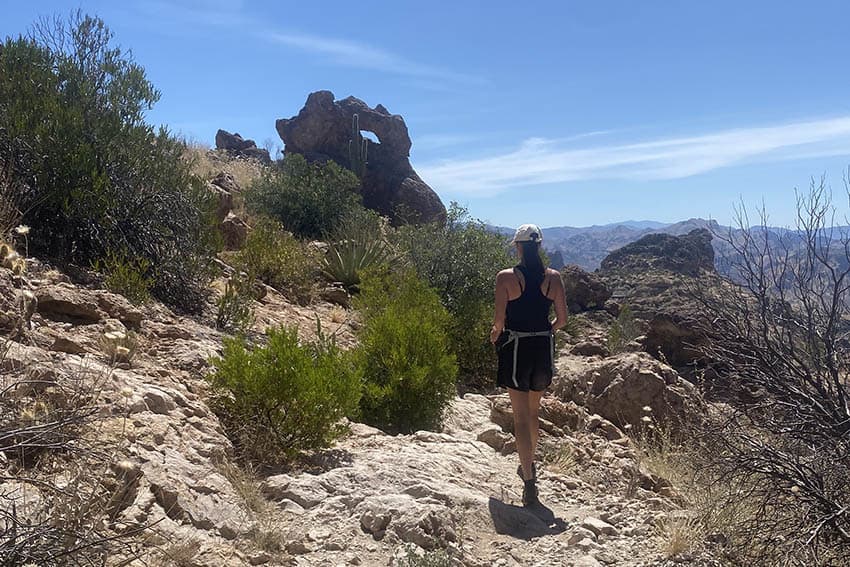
[(358, 148)]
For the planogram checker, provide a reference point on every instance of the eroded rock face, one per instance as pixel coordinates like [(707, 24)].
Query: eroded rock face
[(627, 388), (321, 132), (237, 145), (655, 277), (584, 290), (234, 230)]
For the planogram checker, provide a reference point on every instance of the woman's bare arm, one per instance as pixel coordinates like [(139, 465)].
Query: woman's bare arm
[(501, 304), (560, 299)]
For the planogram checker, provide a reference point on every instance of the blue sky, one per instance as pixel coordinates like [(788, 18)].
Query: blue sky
[(558, 113)]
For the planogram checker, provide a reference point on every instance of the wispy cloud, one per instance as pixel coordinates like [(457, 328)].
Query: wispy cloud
[(539, 161), (172, 16), (349, 53)]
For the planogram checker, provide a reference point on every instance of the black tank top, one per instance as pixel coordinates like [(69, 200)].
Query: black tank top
[(530, 311)]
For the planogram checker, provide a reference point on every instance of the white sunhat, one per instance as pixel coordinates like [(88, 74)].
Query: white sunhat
[(528, 233)]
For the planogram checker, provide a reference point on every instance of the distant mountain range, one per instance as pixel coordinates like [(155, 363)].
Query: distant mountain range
[(588, 246)]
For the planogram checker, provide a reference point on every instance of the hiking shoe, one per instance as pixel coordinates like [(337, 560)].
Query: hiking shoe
[(529, 494), (533, 472)]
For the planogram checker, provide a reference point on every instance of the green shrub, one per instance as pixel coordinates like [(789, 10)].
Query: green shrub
[(129, 277), (309, 199), (416, 557), (92, 177), (234, 311), (286, 396), (276, 257), (408, 368), (460, 260)]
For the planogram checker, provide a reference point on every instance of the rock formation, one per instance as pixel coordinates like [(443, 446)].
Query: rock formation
[(686, 255), (653, 275), (322, 130), (233, 228), (584, 290), (629, 387), (238, 146)]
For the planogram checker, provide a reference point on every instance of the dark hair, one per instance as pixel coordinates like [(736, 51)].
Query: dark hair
[(531, 257)]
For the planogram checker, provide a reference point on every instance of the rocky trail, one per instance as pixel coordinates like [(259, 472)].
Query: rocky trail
[(447, 498)]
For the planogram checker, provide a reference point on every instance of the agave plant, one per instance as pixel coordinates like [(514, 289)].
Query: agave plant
[(348, 257)]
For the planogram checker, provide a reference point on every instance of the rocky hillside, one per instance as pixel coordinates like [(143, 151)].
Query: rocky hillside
[(450, 497)]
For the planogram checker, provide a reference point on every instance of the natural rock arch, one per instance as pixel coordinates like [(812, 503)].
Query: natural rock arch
[(321, 131)]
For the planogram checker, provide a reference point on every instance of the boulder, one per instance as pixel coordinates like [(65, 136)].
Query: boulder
[(66, 302), (322, 130), (676, 338), (237, 145), (627, 388), (223, 186), (584, 290), (234, 231), (589, 348)]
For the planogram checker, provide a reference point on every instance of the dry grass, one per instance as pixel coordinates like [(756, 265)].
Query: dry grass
[(561, 460), (265, 534), (207, 163), (681, 533), (180, 553), (59, 452), (338, 314), (711, 508)]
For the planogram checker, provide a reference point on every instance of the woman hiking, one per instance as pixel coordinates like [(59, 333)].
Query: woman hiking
[(524, 337)]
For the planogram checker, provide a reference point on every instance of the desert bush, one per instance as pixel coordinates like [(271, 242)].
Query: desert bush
[(284, 397), (460, 259), (10, 214), (234, 311), (276, 257), (416, 557), (624, 329), (309, 199), (126, 276), (779, 353), (91, 175), (408, 369)]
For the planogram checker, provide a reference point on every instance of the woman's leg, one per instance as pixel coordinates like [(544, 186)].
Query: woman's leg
[(534, 420), (522, 430)]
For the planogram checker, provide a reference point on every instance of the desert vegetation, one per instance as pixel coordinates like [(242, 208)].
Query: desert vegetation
[(762, 475), (779, 349), (83, 161)]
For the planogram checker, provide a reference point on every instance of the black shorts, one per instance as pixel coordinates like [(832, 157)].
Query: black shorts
[(534, 363)]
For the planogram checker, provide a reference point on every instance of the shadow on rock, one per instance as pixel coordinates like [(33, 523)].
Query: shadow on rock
[(524, 523), (324, 461)]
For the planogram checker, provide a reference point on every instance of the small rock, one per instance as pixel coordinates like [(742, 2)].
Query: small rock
[(494, 437), (260, 558), (598, 526), (299, 547)]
